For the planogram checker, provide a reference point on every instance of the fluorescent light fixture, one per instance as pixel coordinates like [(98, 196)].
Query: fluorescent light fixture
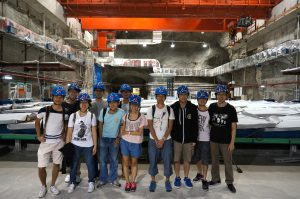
[(172, 45), (7, 77), (144, 45), (204, 45)]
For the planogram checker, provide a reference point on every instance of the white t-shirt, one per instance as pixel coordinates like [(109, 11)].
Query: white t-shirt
[(55, 126), (82, 130), (160, 120), (204, 129)]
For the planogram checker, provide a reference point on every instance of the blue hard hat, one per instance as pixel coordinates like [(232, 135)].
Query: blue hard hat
[(125, 87), (221, 88), (161, 91), (183, 89), (113, 97), (84, 97), (135, 99), (58, 91), (202, 94), (74, 86), (99, 86)]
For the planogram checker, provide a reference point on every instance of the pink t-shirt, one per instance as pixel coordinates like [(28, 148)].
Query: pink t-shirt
[(134, 125)]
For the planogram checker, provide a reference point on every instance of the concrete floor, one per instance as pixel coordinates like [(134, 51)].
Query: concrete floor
[(20, 180)]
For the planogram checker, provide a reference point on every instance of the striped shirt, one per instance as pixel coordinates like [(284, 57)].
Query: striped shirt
[(55, 126)]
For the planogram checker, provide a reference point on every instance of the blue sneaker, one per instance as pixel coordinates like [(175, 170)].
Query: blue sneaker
[(168, 186), (177, 182), (188, 183), (152, 186)]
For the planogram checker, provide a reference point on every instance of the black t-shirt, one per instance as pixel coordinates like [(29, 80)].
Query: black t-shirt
[(70, 108), (221, 119)]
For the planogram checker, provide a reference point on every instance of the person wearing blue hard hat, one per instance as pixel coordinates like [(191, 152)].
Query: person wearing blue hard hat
[(126, 92), (184, 134), (160, 121), (223, 120), (71, 104), (82, 133), (96, 107), (51, 137), (202, 148), (131, 143), (110, 120)]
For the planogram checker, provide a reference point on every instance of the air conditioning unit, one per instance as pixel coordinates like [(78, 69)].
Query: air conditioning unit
[(11, 30)]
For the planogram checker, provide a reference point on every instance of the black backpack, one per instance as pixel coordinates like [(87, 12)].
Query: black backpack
[(74, 118), (154, 108), (103, 115), (47, 117)]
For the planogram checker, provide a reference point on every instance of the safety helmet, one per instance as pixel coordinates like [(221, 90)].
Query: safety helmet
[(125, 87), (84, 97), (221, 88), (183, 89), (202, 94), (161, 91), (58, 91), (99, 86), (135, 99), (113, 97), (74, 86)]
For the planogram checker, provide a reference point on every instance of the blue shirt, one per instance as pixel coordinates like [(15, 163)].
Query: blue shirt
[(112, 123)]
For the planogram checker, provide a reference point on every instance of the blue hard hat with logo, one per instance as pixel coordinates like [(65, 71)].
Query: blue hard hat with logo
[(113, 97), (84, 97), (221, 88), (202, 94), (161, 91), (135, 99), (74, 86), (58, 91), (125, 87), (99, 86), (183, 89)]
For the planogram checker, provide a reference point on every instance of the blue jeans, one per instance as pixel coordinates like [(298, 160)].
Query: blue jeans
[(88, 156), (108, 151), (154, 156)]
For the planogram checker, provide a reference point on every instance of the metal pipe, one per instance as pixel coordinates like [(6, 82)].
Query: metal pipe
[(297, 59)]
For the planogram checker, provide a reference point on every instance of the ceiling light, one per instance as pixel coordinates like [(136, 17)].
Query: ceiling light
[(7, 77), (172, 45), (204, 45), (262, 86), (144, 45), (202, 33)]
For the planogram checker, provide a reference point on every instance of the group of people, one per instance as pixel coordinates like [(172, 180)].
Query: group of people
[(98, 130)]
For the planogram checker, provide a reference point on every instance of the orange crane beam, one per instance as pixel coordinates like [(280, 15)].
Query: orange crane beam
[(162, 24), (168, 8)]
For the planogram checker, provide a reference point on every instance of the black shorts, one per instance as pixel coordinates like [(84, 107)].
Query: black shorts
[(202, 152)]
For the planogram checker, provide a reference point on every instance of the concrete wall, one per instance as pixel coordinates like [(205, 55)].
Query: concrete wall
[(14, 50), (269, 73)]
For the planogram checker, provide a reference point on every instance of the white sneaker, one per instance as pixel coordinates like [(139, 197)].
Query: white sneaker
[(71, 188), (91, 187), (54, 190), (43, 192), (67, 179), (78, 179)]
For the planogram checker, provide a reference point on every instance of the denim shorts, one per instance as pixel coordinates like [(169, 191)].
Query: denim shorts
[(202, 152), (130, 149)]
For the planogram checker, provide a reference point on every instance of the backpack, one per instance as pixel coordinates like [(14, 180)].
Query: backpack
[(103, 115), (154, 108), (47, 117), (74, 118)]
